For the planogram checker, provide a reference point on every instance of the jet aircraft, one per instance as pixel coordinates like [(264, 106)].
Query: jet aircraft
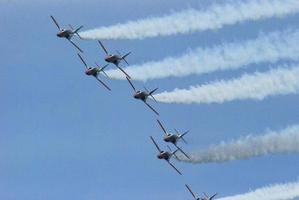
[(143, 95), (94, 71), (68, 33), (166, 155)]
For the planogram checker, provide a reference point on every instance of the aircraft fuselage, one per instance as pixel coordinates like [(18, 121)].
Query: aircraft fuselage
[(164, 155), (141, 95), (91, 71), (68, 34), (115, 59), (171, 138)]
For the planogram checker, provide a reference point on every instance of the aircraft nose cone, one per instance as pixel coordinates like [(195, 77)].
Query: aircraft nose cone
[(135, 96)]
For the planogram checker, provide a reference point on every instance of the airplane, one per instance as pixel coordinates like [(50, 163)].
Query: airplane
[(166, 155), (94, 71), (67, 33), (173, 138), (206, 197), (115, 58), (143, 95)]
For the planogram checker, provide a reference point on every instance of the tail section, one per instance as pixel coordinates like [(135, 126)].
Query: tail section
[(104, 67), (151, 93), (124, 57), (154, 90), (212, 196), (209, 198), (101, 69), (182, 136), (76, 31), (173, 152)]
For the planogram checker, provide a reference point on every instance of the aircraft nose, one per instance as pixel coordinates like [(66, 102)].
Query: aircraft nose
[(135, 96)]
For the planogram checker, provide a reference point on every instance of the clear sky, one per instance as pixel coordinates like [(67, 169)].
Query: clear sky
[(63, 136)]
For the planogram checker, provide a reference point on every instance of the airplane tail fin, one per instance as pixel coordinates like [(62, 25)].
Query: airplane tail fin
[(211, 198), (124, 57), (173, 152), (151, 93), (76, 31), (102, 69), (182, 137), (154, 90)]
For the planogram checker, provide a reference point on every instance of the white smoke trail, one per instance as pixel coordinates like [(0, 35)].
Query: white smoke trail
[(284, 141), (255, 86), (191, 20), (285, 191), (266, 48)]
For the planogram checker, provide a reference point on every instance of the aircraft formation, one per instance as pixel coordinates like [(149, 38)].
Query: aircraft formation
[(116, 59)]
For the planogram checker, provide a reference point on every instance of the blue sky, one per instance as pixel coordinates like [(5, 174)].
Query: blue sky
[(63, 136)]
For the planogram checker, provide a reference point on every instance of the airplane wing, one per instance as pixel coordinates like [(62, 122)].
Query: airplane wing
[(182, 152), (174, 167), (82, 60), (190, 191), (55, 22), (155, 144), (103, 84), (76, 46), (121, 69), (152, 108), (103, 47), (131, 84), (162, 127)]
